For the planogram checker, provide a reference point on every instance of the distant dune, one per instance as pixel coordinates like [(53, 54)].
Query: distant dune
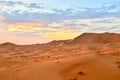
[(92, 38), (90, 56), (7, 44), (86, 38)]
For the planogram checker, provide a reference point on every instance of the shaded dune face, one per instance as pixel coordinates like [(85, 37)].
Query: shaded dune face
[(59, 42), (8, 44), (89, 38), (95, 38)]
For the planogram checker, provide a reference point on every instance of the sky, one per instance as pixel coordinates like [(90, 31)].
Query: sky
[(41, 21)]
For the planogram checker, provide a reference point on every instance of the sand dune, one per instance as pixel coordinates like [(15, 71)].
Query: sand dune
[(88, 38), (63, 60), (92, 66)]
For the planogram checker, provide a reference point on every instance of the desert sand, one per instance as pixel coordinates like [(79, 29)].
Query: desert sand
[(90, 56)]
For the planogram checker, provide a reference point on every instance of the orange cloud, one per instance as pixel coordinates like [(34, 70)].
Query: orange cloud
[(24, 27), (1, 18), (55, 24), (2, 24), (54, 31), (62, 34)]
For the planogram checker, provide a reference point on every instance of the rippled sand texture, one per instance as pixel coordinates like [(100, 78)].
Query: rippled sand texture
[(77, 59)]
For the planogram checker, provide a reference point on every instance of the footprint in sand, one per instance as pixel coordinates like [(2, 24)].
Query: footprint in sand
[(81, 73)]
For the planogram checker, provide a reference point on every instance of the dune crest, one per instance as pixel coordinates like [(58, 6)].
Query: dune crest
[(90, 56), (97, 38)]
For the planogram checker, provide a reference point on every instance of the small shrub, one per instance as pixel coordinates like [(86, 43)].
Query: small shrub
[(81, 73), (48, 56)]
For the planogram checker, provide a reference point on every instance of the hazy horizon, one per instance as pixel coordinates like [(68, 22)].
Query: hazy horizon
[(41, 21)]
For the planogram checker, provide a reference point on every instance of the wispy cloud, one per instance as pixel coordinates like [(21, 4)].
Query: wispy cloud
[(1, 18), (52, 21), (70, 28), (10, 3), (33, 9), (34, 5), (24, 27), (62, 34), (91, 25)]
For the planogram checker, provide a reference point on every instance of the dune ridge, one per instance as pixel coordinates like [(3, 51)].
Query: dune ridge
[(90, 56)]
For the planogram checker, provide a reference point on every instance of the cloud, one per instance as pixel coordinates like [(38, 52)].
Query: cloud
[(62, 34), (5, 3), (91, 25), (10, 3), (1, 7), (24, 27), (39, 12), (38, 29), (34, 5), (19, 7), (64, 29), (55, 24), (1, 18), (36, 20), (2, 24), (70, 28)]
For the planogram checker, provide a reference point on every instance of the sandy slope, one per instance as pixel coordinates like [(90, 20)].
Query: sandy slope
[(94, 67), (97, 59)]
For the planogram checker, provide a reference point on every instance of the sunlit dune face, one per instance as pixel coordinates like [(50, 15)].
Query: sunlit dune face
[(24, 27)]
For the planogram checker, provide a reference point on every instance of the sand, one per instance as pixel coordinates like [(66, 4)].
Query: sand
[(92, 67), (60, 62)]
